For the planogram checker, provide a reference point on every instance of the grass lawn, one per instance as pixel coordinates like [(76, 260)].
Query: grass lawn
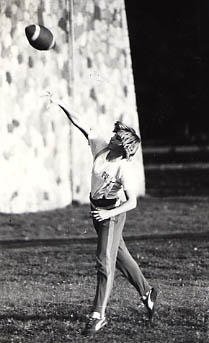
[(47, 278)]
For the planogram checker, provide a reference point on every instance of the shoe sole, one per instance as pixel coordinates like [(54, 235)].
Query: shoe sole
[(154, 299), (93, 332)]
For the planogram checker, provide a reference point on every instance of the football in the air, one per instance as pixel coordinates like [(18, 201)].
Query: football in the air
[(39, 37)]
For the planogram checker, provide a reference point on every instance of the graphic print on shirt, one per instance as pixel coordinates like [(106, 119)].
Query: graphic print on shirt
[(109, 187)]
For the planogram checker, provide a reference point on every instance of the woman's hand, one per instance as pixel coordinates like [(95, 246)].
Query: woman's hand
[(101, 215), (51, 99), (128, 205)]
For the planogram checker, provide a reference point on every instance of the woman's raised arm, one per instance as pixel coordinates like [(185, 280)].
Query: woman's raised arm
[(73, 116)]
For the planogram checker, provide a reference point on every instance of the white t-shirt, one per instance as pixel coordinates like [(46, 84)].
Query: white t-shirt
[(108, 178)]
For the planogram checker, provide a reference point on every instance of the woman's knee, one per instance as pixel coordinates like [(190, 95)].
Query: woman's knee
[(104, 265)]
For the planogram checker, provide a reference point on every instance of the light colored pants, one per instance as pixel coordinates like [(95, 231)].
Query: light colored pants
[(111, 252)]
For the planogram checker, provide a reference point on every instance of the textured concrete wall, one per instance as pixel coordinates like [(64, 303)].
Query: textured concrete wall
[(103, 68), (44, 162), (34, 145)]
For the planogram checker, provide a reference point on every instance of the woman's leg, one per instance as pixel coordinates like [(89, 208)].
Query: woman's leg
[(130, 269), (109, 236)]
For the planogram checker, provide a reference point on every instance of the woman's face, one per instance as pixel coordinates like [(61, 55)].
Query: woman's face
[(115, 142)]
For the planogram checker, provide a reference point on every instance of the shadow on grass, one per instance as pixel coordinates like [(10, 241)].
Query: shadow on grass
[(67, 241), (73, 316)]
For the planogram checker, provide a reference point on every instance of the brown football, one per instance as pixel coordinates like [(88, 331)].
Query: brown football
[(39, 37)]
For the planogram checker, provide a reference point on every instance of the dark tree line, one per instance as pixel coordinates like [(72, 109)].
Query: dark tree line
[(170, 56)]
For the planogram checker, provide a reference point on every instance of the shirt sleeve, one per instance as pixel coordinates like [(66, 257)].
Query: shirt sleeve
[(96, 142), (127, 177)]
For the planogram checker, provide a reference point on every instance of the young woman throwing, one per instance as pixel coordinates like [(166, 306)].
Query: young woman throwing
[(112, 195)]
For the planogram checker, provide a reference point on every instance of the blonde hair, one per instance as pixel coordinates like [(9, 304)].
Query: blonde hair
[(129, 138)]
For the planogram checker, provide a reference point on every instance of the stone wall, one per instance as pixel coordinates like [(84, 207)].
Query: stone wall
[(45, 162)]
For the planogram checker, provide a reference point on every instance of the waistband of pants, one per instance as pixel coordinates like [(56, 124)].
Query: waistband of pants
[(103, 202)]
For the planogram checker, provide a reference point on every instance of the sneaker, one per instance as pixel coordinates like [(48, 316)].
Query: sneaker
[(149, 302), (93, 325)]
